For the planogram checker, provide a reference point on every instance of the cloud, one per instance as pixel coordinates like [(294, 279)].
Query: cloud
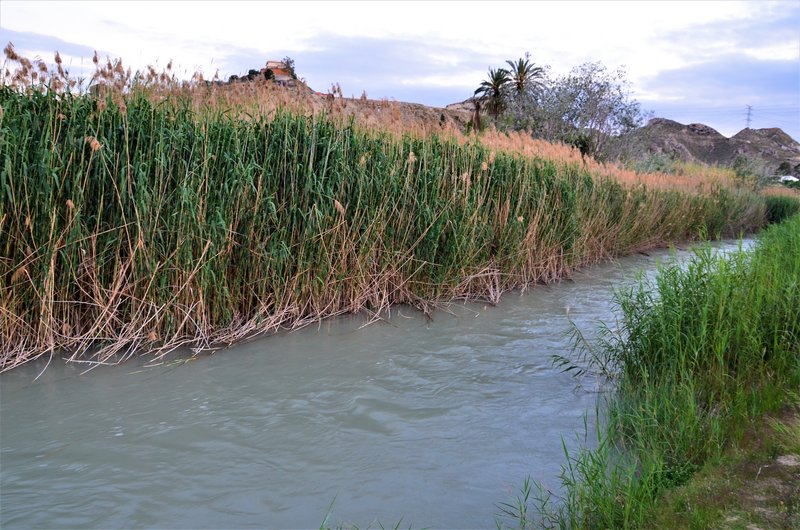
[(773, 29), (734, 78), (730, 65), (26, 40), (404, 69), (718, 92), (400, 68), (744, 54)]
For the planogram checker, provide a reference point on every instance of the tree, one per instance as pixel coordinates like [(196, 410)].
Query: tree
[(587, 108), (752, 173), (591, 108), (289, 63), (525, 76), (528, 82), (492, 91), (475, 122)]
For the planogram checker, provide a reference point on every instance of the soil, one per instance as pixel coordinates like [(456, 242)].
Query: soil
[(755, 486)]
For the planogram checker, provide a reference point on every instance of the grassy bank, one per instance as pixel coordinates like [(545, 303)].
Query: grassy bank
[(149, 216), (697, 356), (755, 483)]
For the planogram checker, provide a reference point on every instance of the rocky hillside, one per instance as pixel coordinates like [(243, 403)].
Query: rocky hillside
[(772, 151), (408, 115), (280, 76), (696, 142)]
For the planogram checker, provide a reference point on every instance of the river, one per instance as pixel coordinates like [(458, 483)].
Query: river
[(431, 422)]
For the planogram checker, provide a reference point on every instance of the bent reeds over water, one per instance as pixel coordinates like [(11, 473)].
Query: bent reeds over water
[(144, 217)]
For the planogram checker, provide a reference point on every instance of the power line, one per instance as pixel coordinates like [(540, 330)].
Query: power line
[(749, 112)]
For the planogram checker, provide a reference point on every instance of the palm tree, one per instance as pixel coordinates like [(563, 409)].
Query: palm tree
[(492, 90), (525, 75), (476, 115)]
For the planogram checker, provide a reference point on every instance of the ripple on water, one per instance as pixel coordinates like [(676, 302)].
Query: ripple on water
[(434, 422)]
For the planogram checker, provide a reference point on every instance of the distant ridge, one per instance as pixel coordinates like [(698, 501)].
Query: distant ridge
[(696, 142)]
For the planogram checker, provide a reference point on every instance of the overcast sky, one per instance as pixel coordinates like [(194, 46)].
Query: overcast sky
[(687, 60)]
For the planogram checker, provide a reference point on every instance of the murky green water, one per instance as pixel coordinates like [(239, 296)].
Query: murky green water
[(430, 421)]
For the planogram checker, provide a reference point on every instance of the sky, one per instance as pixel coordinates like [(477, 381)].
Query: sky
[(690, 61)]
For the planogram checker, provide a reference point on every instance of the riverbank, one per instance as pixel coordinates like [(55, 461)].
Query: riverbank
[(753, 484), (426, 421), (697, 357), (146, 217)]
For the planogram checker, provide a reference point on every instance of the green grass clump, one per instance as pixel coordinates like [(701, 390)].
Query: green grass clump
[(781, 207), (697, 354), (753, 484), (141, 220)]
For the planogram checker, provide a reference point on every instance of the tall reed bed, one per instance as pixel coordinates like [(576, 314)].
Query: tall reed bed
[(697, 353), (143, 216), (780, 207)]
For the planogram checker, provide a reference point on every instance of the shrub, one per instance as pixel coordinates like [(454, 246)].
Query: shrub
[(780, 208)]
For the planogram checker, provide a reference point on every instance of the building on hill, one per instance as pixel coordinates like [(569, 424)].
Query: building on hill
[(283, 74), (276, 71)]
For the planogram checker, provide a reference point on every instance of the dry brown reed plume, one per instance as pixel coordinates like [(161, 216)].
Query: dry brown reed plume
[(260, 97), (64, 290), (781, 191), (403, 118)]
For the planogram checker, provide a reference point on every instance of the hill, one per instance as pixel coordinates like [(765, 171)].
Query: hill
[(764, 151), (772, 148)]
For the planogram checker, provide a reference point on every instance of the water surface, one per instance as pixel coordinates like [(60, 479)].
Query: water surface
[(429, 421)]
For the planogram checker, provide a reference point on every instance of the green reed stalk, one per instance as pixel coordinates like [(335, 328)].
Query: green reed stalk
[(130, 223), (697, 354)]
